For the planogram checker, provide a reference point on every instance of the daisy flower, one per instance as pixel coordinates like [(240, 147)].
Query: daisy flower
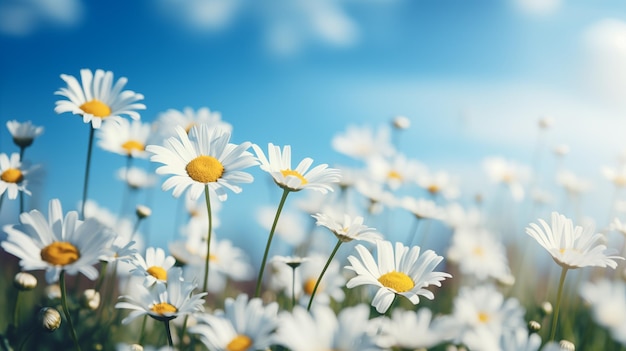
[(615, 176), (97, 98), (351, 228), (508, 173), (154, 267), (58, 243), (243, 325), (401, 271), (13, 177), (607, 300), (23, 134), (395, 171), (572, 246), (124, 137), (136, 178), (421, 208), (187, 118), (205, 157), (477, 252), (163, 302), (438, 183), (412, 330), (573, 184), (363, 142), (330, 287), (278, 165)]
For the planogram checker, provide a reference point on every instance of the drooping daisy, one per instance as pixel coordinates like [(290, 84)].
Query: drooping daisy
[(404, 271), (205, 157), (320, 177), (351, 228), (58, 243), (23, 134), (244, 325), (412, 330), (163, 302), (97, 98), (124, 137), (187, 118), (572, 246), (13, 176), (154, 267)]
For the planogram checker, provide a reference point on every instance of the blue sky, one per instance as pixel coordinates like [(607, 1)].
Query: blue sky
[(473, 76)]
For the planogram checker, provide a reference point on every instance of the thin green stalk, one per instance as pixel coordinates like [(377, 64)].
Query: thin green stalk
[(555, 317), (87, 167), (16, 310), (1, 200), (293, 287), (182, 333), (66, 311), (319, 279), (169, 333), (22, 149), (143, 329), (124, 207), (103, 272), (208, 242), (257, 292)]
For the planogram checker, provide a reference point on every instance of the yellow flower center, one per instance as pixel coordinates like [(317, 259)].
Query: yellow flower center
[(158, 272), (205, 169), (309, 285), (290, 172), (478, 251), (394, 175), (60, 253), (483, 317), (163, 308), (239, 343), (97, 108), (433, 189), (131, 145), (397, 281), (12, 175)]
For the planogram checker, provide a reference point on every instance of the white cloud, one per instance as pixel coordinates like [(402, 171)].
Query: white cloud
[(201, 15), (538, 7), (24, 17)]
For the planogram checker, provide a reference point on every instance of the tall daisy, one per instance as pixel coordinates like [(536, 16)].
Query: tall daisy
[(124, 137), (571, 247), (154, 267), (278, 165), (168, 121), (396, 271), (203, 160), (95, 100)]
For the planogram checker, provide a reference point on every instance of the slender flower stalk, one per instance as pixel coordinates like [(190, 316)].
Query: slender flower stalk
[(286, 192), (559, 294), (208, 241), (166, 322), (317, 283), (87, 168), (66, 310)]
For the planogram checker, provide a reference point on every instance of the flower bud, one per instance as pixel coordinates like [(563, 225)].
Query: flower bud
[(136, 347), (49, 318), (546, 308), (143, 211), (567, 345), (534, 326), (25, 281), (90, 299), (401, 122)]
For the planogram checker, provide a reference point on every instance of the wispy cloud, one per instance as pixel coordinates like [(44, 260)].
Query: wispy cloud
[(538, 7), (24, 17)]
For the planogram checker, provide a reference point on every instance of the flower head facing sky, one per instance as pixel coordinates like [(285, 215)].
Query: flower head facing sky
[(205, 156), (401, 270), (58, 243), (572, 246), (124, 137), (278, 165), (97, 98)]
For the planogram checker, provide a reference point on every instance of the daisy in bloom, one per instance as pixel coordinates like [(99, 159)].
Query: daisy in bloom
[(395, 171), (421, 208), (363, 142), (573, 184), (479, 253), (508, 173), (13, 177), (572, 246), (163, 302), (375, 193), (244, 325), (608, 305), (58, 243), (330, 287), (616, 176), (136, 178), (320, 178), (351, 228), (23, 134), (124, 137), (412, 330), (439, 183), (97, 98), (187, 118), (154, 267), (401, 271), (205, 157), (456, 216)]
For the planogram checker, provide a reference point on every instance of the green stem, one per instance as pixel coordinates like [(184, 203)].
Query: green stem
[(103, 272), (143, 329), (66, 310), (169, 333), (555, 317), (182, 333), (87, 167), (293, 287), (16, 310), (319, 279), (208, 242), (269, 241)]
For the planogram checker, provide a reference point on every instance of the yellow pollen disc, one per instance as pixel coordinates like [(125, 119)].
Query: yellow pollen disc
[(394, 175), (96, 108), (478, 251), (290, 172), (309, 285), (131, 145), (397, 281), (483, 317), (433, 189), (239, 343), (562, 251), (205, 169), (163, 308), (158, 272), (60, 253), (212, 258), (12, 175)]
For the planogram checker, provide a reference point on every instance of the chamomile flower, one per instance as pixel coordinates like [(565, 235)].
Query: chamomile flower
[(395, 171), (508, 173), (330, 287), (401, 271), (477, 252), (351, 228), (97, 98), (364, 142), (205, 157), (320, 178), (412, 330), (163, 302), (243, 325), (58, 243), (13, 176), (154, 267), (572, 246), (23, 134), (607, 300), (438, 183), (421, 208), (136, 178), (187, 118), (124, 137)]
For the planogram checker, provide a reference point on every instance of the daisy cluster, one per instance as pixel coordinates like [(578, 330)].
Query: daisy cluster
[(441, 271)]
